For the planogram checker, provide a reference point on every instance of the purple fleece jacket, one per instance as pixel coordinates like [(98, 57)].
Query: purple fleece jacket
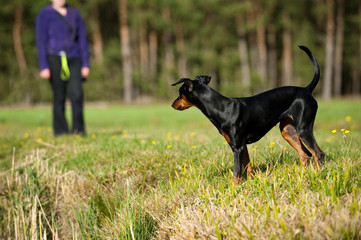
[(53, 36)]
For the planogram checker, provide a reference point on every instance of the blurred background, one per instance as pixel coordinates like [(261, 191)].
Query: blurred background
[(139, 47)]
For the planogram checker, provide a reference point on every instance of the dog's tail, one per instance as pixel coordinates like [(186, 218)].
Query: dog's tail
[(316, 77)]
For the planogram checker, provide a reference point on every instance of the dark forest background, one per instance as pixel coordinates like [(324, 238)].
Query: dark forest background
[(139, 47)]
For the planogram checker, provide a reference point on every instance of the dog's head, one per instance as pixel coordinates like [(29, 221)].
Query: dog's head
[(188, 92)]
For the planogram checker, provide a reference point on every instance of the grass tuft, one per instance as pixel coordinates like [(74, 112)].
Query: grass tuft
[(145, 177)]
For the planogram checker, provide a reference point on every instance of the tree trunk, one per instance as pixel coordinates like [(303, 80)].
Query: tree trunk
[(243, 52), (272, 58), (182, 59), (262, 52), (169, 55), (272, 67), (144, 51), (261, 45), (216, 78), (19, 53), (287, 60), (339, 47), (357, 82), (252, 42), (153, 53), (125, 48), (97, 37), (330, 29)]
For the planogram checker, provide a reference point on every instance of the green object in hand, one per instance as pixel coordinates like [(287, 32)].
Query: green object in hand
[(64, 72)]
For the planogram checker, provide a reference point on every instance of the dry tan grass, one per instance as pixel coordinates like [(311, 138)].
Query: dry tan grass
[(40, 199), (255, 219)]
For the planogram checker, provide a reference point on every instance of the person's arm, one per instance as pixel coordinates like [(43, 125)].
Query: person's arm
[(41, 42), (83, 42)]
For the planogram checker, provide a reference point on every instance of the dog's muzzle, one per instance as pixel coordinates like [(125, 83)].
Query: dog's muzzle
[(181, 104), (177, 105)]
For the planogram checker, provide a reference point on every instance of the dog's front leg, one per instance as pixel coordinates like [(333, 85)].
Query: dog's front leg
[(238, 163), (247, 164)]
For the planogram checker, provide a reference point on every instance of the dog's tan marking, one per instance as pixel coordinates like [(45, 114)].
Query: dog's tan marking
[(182, 103), (247, 165), (289, 133), (226, 136), (317, 153)]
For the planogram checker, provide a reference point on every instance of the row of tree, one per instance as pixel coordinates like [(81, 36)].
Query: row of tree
[(140, 47)]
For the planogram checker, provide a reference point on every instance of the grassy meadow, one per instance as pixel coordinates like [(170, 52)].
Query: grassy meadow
[(150, 172)]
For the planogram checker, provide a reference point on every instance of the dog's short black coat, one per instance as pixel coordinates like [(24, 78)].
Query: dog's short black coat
[(245, 120)]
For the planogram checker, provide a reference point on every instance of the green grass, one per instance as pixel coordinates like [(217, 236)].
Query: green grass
[(149, 172)]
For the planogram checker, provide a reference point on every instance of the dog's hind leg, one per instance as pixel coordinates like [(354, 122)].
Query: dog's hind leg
[(310, 141), (289, 133), (304, 114)]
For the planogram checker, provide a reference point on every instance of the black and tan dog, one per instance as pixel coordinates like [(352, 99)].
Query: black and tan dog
[(242, 121)]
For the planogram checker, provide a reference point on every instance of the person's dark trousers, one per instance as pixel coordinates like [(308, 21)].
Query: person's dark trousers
[(73, 86)]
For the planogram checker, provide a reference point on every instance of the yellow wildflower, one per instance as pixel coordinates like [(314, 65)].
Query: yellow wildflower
[(169, 146), (125, 133), (347, 131), (334, 131), (348, 118), (194, 147)]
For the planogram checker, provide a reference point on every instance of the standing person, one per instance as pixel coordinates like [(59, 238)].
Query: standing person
[(63, 57)]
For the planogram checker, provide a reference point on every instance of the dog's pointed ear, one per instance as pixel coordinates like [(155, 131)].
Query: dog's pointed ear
[(188, 82), (182, 80), (204, 79)]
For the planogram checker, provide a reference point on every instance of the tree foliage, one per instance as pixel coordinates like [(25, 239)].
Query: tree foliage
[(185, 38)]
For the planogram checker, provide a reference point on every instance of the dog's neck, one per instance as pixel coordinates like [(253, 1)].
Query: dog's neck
[(212, 109)]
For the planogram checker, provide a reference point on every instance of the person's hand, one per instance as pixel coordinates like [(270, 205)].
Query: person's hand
[(84, 72), (45, 73)]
